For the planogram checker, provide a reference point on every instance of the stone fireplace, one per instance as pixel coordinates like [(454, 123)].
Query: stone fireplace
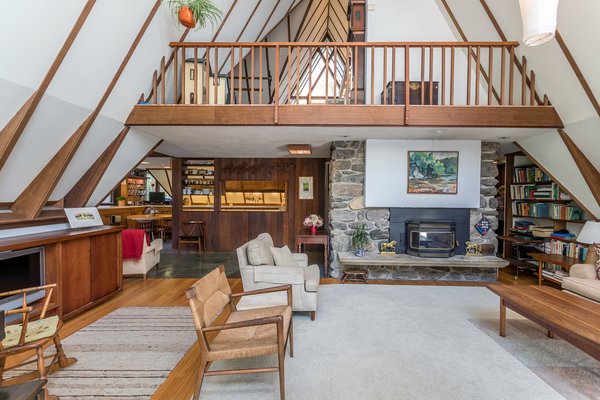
[(347, 211)]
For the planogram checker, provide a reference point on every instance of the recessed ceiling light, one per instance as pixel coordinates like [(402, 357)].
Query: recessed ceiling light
[(300, 149), (344, 136), (503, 137), (145, 162), (438, 131)]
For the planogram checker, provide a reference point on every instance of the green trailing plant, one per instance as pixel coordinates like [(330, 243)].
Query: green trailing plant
[(121, 198), (203, 11), (360, 237)]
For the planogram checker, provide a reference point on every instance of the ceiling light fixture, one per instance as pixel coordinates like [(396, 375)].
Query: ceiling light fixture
[(300, 149), (539, 20)]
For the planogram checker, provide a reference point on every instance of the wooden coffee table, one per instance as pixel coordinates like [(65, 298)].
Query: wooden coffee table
[(355, 275), (574, 319)]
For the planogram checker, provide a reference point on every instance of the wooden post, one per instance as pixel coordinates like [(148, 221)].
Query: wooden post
[(276, 97)]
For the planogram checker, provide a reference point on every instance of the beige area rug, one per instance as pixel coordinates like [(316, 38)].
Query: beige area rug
[(570, 371), (124, 355)]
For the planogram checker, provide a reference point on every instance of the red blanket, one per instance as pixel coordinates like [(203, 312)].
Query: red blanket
[(133, 243)]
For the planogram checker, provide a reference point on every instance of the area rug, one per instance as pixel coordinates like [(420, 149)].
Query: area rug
[(124, 355), (569, 370), (393, 342)]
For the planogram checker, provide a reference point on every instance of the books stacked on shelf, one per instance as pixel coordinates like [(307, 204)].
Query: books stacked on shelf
[(572, 250), (537, 210), (542, 231), (529, 174), (548, 191), (566, 212), (563, 234), (554, 272), (522, 228)]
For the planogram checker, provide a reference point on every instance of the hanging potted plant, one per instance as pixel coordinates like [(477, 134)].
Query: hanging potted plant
[(360, 240), (192, 13)]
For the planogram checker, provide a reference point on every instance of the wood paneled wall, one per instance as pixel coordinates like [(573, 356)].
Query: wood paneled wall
[(227, 230)]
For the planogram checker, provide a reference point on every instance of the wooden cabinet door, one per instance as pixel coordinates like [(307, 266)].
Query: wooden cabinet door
[(106, 265), (75, 275)]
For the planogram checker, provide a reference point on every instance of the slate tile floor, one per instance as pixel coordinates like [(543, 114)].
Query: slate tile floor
[(191, 265)]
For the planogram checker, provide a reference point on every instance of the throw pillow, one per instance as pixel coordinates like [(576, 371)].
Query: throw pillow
[(259, 253), (283, 257), (597, 248)]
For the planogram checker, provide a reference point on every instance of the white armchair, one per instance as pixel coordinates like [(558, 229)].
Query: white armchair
[(150, 258), (582, 282), (303, 278)]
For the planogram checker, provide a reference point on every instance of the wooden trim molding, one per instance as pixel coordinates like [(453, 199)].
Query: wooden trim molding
[(81, 193), (584, 84), (11, 133), (31, 201), (588, 171)]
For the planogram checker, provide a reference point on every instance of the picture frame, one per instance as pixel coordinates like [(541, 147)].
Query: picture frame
[(305, 188), (83, 217), (432, 172)]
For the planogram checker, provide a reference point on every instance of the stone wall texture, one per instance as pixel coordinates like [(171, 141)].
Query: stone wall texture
[(347, 211)]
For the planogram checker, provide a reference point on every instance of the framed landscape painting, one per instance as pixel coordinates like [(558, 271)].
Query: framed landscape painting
[(433, 172)]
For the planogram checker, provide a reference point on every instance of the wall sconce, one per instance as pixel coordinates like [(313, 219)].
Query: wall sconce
[(300, 149)]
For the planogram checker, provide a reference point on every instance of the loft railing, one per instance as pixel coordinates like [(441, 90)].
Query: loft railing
[(291, 73)]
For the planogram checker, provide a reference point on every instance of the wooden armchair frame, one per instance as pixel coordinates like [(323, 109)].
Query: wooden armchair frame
[(35, 345), (208, 333)]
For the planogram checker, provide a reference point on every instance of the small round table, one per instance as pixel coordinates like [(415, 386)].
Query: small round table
[(355, 275)]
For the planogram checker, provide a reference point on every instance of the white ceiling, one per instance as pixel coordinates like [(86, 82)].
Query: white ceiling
[(272, 141)]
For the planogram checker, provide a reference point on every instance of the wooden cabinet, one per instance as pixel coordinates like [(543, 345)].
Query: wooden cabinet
[(85, 263)]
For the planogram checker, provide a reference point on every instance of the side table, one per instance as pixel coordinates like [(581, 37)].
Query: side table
[(302, 240)]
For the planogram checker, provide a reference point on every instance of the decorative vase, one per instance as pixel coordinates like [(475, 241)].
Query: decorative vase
[(360, 252), (186, 17), (313, 230)]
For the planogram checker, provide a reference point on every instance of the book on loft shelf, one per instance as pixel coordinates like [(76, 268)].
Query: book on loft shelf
[(529, 174)]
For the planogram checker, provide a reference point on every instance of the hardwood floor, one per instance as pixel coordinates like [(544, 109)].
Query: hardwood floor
[(171, 292)]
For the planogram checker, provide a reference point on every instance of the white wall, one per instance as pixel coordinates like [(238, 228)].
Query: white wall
[(386, 174)]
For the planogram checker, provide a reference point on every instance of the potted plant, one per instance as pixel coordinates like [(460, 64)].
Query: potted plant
[(360, 239), (121, 201), (195, 12)]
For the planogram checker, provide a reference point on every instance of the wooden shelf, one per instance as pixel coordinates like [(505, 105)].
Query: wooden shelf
[(575, 221), (532, 183), (543, 200)]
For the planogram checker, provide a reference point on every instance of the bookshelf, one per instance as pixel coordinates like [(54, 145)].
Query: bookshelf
[(533, 198)]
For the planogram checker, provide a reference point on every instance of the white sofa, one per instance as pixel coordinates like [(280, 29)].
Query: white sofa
[(150, 258), (303, 278), (582, 282)]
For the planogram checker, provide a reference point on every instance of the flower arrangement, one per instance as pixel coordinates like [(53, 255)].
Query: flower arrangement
[(313, 220)]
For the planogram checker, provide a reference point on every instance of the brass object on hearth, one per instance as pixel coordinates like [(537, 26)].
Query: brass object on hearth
[(388, 248), (473, 249)]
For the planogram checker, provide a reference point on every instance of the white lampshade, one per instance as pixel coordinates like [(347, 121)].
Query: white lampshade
[(590, 233), (539, 20)]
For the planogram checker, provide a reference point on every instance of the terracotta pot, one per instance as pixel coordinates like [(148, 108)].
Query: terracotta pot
[(313, 230), (186, 17), (121, 203)]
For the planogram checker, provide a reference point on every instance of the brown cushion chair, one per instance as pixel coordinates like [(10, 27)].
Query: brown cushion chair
[(243, 334)]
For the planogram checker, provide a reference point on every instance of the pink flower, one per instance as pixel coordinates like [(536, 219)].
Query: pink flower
[(313, 220)]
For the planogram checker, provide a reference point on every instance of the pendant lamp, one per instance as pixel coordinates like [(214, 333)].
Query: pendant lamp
[(539, 20)]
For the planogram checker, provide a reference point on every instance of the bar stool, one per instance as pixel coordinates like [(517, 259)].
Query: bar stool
[(163, 227), (192, 233)]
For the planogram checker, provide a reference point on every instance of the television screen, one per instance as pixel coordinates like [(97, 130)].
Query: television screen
[(21, 269), (156, 197)]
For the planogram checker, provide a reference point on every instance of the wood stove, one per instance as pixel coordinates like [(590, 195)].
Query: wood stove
[(431, 238)]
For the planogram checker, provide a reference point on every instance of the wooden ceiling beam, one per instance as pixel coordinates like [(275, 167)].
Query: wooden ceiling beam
[(588, 171), (11, 133), (81, 193), (31, 201), (584, 84)]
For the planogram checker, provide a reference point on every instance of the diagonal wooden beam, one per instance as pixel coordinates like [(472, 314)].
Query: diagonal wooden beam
[(584, 84), (31, 201), (81, 193), (11, 133), (588, 171), (240, 35)]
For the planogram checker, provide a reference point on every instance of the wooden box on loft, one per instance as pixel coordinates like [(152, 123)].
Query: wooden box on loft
[(221, 86)]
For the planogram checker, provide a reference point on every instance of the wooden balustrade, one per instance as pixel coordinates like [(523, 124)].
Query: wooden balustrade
[(293, 73)]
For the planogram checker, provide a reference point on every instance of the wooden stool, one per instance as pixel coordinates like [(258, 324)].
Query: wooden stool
[(355, 275)]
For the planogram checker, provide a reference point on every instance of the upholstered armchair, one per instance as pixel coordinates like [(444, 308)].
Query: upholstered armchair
[(258, 271), (582, 282), (149, 258)]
